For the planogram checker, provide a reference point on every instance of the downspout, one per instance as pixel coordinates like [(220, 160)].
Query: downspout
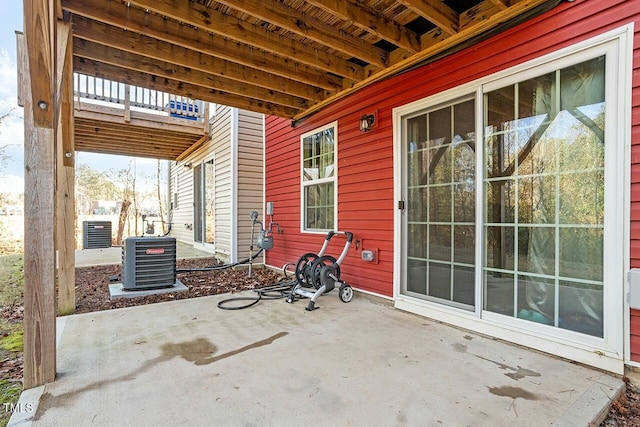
[(264, 176), (234, 186), (169, 199)]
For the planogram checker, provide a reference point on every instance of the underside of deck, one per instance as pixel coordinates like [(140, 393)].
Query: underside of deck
[(108, 130)]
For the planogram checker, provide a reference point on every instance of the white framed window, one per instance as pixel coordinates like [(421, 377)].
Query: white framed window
[(318, 164)]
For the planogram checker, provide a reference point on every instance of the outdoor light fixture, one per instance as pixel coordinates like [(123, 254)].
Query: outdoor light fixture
[(186, 167), (366, 122)]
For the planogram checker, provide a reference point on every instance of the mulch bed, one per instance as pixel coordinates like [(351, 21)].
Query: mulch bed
[(625, 411), (92, 284)]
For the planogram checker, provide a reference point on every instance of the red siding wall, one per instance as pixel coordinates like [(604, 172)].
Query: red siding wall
[(365, 160)]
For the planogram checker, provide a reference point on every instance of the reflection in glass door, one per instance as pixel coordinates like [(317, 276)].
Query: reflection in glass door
[(544, 192), (440, 182), (203, 202)]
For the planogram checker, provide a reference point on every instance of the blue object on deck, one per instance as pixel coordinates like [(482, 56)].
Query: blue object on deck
[(176, 110)]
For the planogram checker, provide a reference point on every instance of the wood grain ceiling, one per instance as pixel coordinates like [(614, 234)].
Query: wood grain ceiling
[(288, 58)]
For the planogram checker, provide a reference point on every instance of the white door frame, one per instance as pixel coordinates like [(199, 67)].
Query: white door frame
[(611, 352)]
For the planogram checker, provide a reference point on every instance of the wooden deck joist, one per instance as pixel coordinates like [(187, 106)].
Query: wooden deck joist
[(288, 58)]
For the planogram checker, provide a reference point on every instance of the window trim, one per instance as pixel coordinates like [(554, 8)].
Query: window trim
[(334, 180)]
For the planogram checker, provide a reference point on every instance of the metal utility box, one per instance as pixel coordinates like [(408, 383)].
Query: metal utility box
[(148, 262), (633, 297), (96, 234)]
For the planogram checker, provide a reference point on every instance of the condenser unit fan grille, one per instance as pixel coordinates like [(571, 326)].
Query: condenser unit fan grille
[(96, 234), (148, 262)]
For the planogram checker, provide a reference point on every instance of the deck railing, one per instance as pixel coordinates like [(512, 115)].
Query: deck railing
[(132, 98)]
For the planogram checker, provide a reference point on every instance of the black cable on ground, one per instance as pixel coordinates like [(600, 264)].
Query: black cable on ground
[(218, 267), (280, 290)]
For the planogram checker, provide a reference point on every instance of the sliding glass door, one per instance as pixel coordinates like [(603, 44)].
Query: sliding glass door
[(441, 181), (544, 198), (203, 203), (513, 199)]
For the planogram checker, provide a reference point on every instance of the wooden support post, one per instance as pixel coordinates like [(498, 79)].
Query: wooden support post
[(65, 201), (39, 200), (127, 103), (205, 116)]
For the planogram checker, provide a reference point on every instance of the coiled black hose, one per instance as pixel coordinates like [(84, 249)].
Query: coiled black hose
[(280, 290)]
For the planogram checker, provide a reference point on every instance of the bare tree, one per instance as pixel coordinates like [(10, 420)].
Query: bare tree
[(134, 193), (3, 154), (124, 177), (4, 157), (160, 198)]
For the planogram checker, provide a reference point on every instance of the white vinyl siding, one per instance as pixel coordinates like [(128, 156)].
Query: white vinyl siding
[(249, 177), (238, 157)]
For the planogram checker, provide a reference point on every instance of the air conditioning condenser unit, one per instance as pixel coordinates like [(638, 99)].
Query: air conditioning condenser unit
[(96, 234), (148, 262)]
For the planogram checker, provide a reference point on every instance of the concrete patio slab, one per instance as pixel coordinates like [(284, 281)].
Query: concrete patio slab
[(358, 364)]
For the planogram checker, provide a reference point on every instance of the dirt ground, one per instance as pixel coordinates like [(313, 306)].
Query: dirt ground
[(92, 294)]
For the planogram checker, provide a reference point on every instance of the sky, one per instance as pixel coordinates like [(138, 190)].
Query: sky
[(12, 130)]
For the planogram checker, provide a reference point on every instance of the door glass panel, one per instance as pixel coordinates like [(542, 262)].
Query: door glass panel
[(544, 204), (209, 201), (440, 167), (197, 203), (203, 202)]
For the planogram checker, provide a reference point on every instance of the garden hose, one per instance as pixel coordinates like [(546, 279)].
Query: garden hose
[(218, 267), (278, 291)]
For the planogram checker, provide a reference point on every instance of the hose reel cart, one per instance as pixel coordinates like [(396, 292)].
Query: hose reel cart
[(321, 272)]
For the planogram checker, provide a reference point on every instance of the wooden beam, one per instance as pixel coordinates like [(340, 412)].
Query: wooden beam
[(164, 122), (206, 122), (372, 22), (306, 26), (23, 75), (150, 153), (39, 40), (177, 87), (466, 34), (240, 31), (478, 13), (219, 72), (100, 132), (434, 11), (170, 31), (39, 160), (65, 174), (500, 4), (193, 148), (119, 58)]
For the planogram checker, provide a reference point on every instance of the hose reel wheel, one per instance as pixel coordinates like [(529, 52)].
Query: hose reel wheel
[(304, 277), (326, 277), (345, 293), (322, 271)]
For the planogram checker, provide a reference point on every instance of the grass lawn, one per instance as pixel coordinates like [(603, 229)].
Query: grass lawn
[(11, 331)]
